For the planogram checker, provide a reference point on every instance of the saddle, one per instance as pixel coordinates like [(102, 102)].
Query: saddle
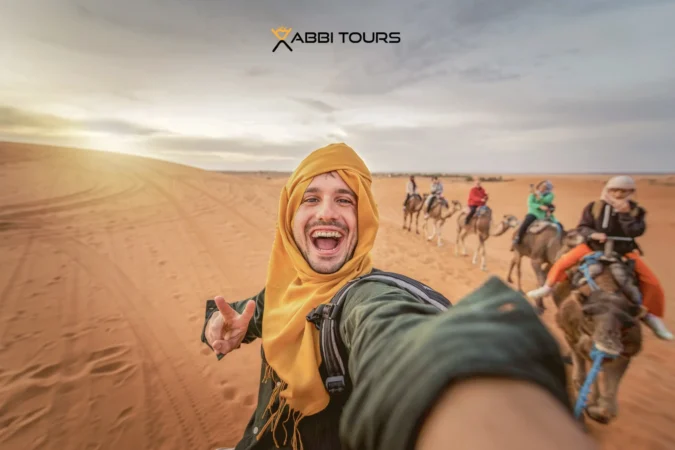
[(411, 196), (622, 271), (435, 199), (481, 211), (540, 225)]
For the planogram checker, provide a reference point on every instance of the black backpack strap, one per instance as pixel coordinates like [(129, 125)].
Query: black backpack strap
[(326, 318)]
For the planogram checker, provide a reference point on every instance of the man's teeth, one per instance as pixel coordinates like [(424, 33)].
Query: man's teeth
[(326, 234)]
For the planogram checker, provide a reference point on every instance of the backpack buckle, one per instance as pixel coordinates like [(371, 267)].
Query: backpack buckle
[(335, 384), (319, 314)]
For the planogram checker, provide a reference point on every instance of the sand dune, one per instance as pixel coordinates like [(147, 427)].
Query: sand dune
[(106, 260)]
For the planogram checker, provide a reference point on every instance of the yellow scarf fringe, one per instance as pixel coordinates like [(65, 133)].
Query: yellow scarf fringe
[(275, 417)]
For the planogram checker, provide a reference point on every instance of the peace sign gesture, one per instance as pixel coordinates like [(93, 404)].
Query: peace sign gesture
[(227, 328)]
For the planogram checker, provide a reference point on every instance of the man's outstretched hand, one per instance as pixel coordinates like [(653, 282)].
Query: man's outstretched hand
[(227, 328)]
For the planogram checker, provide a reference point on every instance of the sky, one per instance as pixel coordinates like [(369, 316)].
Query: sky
[(473, 86)]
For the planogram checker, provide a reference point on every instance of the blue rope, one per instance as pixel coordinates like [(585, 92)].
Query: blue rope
[(597, 356), (585, 269)]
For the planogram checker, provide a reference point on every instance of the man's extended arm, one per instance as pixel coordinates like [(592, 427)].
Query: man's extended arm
[(404, 355), (487, 413)]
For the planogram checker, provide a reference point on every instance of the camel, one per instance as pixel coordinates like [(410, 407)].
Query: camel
[(543, 243), (480, 225), (607, 317), (413, 207), (440, 212)]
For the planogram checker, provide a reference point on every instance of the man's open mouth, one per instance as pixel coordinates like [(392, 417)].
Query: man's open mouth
[(326, 242)]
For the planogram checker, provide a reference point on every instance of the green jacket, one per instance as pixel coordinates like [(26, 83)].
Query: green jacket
[(533, 204), (402, 354)]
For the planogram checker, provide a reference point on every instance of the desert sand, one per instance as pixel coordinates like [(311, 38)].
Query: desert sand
[(106, 261)]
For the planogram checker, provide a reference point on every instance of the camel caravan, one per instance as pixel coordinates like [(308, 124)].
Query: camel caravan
[(601, 287), (475, 219)]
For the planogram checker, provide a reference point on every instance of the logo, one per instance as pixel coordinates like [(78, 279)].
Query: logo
[(281, 33), (330, 37)]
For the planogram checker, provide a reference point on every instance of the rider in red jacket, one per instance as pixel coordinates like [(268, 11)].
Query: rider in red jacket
[(477, 198)]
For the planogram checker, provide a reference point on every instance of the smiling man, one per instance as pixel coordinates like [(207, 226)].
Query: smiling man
[(327, 238), (408, 363)]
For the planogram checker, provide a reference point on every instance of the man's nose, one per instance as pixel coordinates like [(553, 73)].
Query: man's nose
[(327, 210)]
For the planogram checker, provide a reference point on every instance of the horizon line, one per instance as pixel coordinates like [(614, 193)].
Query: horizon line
[(423, 173)]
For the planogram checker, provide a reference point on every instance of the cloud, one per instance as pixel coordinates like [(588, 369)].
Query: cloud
[(655, 104), (230, 154), (188, 144), (18, 121), (317, 105), (486, 74)]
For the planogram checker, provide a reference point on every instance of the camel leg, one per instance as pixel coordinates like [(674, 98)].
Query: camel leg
[(434, 233), (474, 260), (536, 266), (417, 223), (483, 251), (464, 251), (512, 265), (541, 279), (440, 230), (607, 408), (459, 231), (519, 272)]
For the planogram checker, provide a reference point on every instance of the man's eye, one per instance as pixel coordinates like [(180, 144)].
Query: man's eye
[(310, 199), (345, 200)]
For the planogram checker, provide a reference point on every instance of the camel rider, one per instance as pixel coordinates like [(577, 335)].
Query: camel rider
[(477, 198), (436, 191), (615, 214), (539, 206), (411, 189)]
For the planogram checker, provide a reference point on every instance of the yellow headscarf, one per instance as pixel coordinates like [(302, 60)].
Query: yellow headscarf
[(293, 289)]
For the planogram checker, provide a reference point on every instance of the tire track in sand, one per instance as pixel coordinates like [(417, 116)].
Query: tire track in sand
[(18, 276), (50, 201), (207, 244), (124, 193), (132, 304), (251, 223)]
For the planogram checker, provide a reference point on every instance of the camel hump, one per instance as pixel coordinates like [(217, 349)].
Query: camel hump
[(540, 225)]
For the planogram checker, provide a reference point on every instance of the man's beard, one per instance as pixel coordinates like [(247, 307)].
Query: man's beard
[(350, 255)]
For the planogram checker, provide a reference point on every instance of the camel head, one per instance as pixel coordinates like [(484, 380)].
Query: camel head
[(507, 222), (453, 207), (510, 221), (570, 239), (610, 315)]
